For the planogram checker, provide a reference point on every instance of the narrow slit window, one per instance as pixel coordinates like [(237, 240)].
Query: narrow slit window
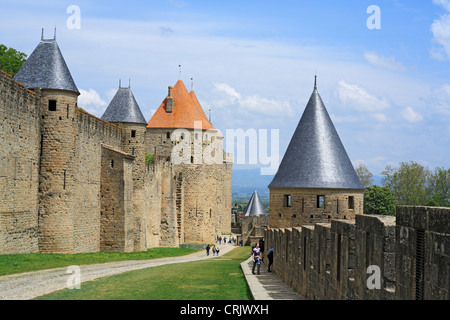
[(320, 202), (65, 174), (287, 201), (133, 133)]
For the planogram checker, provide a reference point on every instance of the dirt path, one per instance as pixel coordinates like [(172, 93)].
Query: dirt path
[(30, 285)]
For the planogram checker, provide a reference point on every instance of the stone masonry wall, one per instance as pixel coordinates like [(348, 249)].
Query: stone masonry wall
[(19, 167), (207, 188), (341, 259), (116, 202), (92, 134), (304, 210)]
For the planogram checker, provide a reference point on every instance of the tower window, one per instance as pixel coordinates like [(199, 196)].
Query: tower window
[(168, 135), (287, 201), (112, 164), (52, 105), (351, 203), (133, 133), (320, 202)]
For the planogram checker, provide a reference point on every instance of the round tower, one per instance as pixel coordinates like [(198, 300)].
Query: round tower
[(47, 72), (316, 181)]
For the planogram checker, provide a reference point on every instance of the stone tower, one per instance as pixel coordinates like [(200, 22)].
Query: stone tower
[(124, 111), (254, 221), (46, 71), (316, 180), (180, 130)]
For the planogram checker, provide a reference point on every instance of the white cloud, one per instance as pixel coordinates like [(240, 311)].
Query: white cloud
[(228, 90), (359, 98), (91, 101), (410, 115), (250, 104), (89, 98), (441, 32), (443, 3), (381, 117), (384, 62)]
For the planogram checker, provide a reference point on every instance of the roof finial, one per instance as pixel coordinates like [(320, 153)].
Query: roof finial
[(129, 83), (120, 83), (179, 66), (315, 82), (54, 36), (209, 115), (42, 36), (192, 84)]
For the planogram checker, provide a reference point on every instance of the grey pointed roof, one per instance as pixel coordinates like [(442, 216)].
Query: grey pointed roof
[(316, 157), (254, 207), (124, 108), (46, 69)]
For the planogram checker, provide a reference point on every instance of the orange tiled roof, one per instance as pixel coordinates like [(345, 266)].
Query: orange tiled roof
[(186, 110)]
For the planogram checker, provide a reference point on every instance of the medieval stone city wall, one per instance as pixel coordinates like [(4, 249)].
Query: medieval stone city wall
[(60, 194), (336, 260), (19, 167), (207, 188), (92, 133), (253, 228), (116, 217)]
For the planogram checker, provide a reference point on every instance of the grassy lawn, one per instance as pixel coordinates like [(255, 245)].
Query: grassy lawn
[(19, 263), (214, 279)]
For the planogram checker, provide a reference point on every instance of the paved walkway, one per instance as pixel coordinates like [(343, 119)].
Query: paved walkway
[(30, 285), (267, 286)]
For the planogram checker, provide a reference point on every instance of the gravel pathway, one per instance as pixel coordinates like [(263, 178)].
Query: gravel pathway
[(30, 285)]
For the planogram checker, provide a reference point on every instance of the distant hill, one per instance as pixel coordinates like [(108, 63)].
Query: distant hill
[(245, 181)]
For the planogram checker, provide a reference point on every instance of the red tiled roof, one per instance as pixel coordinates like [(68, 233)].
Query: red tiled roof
[(186, 110)]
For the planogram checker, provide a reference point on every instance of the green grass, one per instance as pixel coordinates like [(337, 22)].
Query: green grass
[(19, 263), (214, 279)]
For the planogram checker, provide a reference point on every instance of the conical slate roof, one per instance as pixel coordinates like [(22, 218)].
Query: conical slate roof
[(186, 111), (254, 207), (316, 157), (124, 108), (46, 69)]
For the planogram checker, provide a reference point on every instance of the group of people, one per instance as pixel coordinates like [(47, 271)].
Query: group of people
[(215, 250), (258, 256), (230, 240)]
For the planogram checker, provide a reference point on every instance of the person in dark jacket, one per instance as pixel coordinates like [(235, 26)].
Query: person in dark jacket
[(270, 257)]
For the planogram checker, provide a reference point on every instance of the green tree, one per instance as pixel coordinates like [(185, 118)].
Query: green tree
[(409, 183), (11, 60), (364, 175), (439, 188), (379, 200)]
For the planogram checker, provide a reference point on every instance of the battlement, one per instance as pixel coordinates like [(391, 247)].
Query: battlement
[(22, 99), (405, 254), (91, 125)]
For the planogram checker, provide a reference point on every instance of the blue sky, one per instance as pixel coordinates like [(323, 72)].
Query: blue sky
[(253, 63)]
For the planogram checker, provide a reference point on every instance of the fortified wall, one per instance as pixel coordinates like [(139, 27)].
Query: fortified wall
[(74, 183), (19, 166), (342, 259), (67, 182)]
